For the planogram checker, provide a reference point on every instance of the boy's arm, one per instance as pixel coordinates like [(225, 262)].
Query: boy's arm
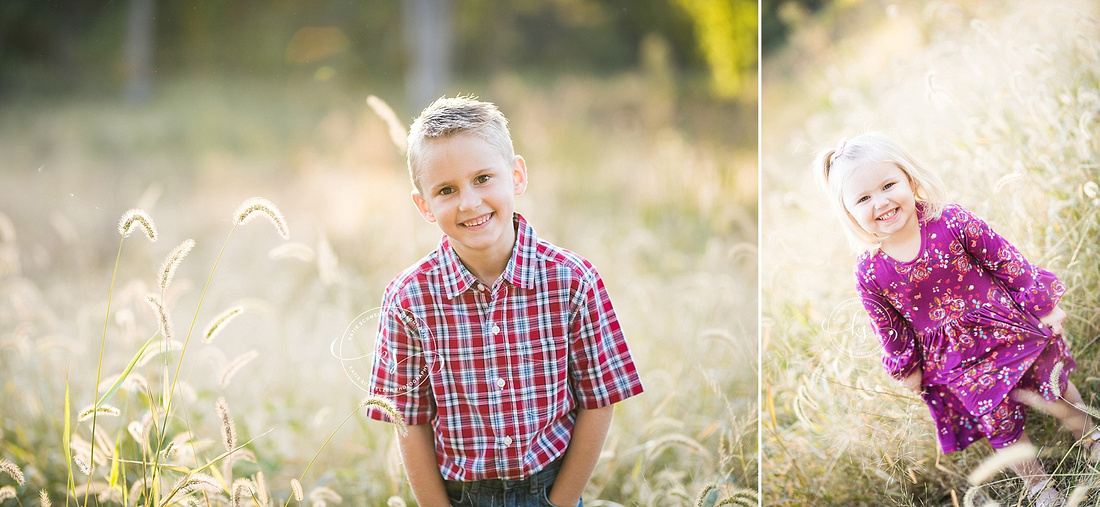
[(584, 449), (418, 455)]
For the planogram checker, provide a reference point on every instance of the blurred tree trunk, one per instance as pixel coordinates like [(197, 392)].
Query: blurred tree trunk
[(139, 50), (429, 37)]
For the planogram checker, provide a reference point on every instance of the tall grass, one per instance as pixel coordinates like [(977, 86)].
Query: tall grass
[(620, 171), (1000, 99)]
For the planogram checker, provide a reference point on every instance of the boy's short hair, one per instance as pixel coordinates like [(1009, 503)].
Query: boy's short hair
[(459, 115), (834, 165)]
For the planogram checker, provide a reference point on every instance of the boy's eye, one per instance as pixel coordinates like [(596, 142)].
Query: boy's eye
[(482, 179), (888, 185), (446, 191)]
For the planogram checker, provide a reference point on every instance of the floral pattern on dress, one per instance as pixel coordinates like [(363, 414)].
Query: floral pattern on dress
[(966, 313)]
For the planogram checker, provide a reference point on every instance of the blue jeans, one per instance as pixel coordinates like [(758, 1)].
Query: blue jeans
[(530, 492)]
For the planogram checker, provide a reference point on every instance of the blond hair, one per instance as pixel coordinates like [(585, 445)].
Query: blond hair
[(447, 117), (834, 165)]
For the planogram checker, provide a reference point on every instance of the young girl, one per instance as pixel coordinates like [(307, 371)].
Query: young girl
[(963, 318)]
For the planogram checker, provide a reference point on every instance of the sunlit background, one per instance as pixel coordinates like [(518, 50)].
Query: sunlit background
[(638, 122)]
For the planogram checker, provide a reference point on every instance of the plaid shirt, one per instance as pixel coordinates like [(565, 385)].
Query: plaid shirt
[(500, 371)]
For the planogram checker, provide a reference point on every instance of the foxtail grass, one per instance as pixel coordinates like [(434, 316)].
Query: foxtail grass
[(219, 322), (397, 131), (229, 428), (235, 366), (172, 262), (10, 468), (89, 412), (296, 487)]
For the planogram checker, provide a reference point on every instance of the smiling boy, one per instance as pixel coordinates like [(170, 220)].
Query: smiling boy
[(501, 351)]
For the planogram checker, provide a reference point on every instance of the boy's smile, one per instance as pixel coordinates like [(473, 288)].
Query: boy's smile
[(468, 187)]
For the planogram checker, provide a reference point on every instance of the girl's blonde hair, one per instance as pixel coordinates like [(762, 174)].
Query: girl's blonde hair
[(832, 167)]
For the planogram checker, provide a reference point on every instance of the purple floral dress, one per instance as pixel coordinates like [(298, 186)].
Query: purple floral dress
[(966, 313)]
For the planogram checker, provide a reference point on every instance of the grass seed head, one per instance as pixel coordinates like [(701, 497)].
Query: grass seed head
[(237, 364), (198, 482), (242, 488), (397, 131), (1056, 379), (87, 413), (9, 467), (82, 465), (7, 492), (229, 430), (137, 216), (157, 304), (388, 407), (219, 322), (1000, 460), (297, 488), (395, 501), (168, 269), (44, 499), (267, 208), (323, 494), (261, 488)]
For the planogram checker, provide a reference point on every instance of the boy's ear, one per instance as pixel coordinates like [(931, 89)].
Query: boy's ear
[(519, 175), (422, 206)]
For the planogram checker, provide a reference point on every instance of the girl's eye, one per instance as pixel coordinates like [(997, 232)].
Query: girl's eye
[(862, 199), (888, 185), (482, 179)]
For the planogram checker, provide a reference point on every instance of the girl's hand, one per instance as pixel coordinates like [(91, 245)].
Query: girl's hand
[(913, 381), (1054, 320)]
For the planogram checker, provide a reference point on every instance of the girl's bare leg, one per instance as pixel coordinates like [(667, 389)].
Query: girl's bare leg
[(1036, 480), (1074, 420)]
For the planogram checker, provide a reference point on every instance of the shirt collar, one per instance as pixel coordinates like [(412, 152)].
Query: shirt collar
[(519, 271)]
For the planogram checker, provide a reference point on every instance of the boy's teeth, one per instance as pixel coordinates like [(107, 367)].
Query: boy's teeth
[(476, 222)]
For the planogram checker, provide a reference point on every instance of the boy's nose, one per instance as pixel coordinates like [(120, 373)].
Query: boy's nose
[(470, 200)]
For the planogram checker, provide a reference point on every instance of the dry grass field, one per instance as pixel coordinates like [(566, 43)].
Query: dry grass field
[(1001, 100), (661, 196)]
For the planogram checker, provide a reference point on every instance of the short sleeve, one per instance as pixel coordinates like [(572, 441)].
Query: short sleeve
[(900, 353), (398, 367), (601, 369), (1034, 289)]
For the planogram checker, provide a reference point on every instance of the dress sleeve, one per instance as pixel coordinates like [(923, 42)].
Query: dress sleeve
[(601, 369), (1035, 289), (900, 352), (399, 367)]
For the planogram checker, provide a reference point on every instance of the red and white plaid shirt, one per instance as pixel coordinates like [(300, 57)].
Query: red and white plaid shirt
[(500, 371)]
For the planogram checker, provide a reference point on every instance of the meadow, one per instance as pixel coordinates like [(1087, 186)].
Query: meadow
[(1000, 99), (659, 193)]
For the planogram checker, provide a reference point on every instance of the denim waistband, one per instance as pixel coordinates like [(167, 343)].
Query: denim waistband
[(536, 482)]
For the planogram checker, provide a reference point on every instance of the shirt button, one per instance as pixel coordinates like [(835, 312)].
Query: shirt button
[(507, 441), (500, 383), (496, 329)]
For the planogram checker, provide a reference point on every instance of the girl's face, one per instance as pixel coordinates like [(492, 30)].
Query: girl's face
[(880, 197)]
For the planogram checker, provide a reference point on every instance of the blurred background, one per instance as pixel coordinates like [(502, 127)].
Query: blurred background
[(638, 120), (1000, 100)]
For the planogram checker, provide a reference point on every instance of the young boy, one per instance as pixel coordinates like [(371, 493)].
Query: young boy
[(501, 351)]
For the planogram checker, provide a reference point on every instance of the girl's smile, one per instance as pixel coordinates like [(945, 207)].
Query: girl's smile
[(881, 199)]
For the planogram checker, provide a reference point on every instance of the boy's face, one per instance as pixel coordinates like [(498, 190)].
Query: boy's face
[(469, 189)]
